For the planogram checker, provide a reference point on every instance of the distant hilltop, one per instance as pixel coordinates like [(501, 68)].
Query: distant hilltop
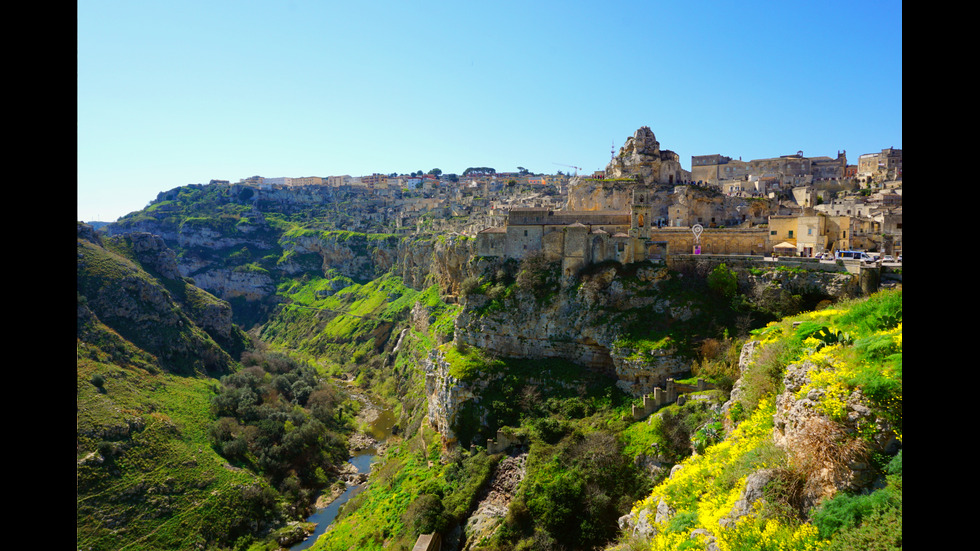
[(641, 160)]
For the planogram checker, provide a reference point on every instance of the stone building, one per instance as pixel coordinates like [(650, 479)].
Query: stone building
[(786, 170), (886, 165), (581, 238), (627, 216), (815, 232)]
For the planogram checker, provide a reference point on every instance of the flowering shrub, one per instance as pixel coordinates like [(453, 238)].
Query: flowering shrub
[(705, 487), (750, 532), (856, 346)]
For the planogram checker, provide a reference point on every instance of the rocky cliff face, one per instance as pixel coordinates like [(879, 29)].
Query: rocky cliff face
[(166, 317), (420, 262), (246, 259), (642, 157), (493, 505), (577, 325), (799, 425), (446, 395)]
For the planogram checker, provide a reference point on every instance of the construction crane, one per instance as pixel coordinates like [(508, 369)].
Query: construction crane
[(577, 168)]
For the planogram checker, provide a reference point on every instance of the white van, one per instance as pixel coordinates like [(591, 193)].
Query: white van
[(853, 255)]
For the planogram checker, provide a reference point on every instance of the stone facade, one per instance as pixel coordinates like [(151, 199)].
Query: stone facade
[(816, 232), (786, 169), (580, 238), (880, 166)]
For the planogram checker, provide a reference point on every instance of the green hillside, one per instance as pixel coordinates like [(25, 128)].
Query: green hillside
[(152, 470), (193, 434), (849, 358)]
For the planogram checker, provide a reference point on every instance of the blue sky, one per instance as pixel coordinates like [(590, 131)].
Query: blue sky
[(180, 92)]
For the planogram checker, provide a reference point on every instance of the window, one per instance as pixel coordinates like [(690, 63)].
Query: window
[(791, 233)]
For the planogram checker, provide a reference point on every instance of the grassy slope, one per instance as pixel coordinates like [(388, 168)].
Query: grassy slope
[(559, 427), (146, 474), (349, 332), (147, 477), (857, 345)]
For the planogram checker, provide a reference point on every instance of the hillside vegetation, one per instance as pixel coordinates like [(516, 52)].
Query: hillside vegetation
[(814, 458), (193, 434), (158, 465)]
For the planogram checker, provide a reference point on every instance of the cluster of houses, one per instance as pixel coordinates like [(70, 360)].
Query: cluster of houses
[(812, 206), (420, 182)]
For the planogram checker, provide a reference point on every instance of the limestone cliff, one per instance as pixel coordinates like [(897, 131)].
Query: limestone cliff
[(642, 157), (420, 262), (585, 324), (184, 327), (444, 394), (816, 412)]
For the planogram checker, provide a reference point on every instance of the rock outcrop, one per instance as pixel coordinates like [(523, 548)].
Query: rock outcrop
[(831, 450), (445, 395), (575, 326), (179, 326), (642, 157), (493, 504)]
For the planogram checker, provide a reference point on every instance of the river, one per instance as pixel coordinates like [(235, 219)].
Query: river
[(380, 428)]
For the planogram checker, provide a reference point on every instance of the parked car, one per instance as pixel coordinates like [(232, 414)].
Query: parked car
[(854, 255), (888, 258)]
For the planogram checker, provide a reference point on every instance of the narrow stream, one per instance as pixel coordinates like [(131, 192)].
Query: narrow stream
[(380, 430)]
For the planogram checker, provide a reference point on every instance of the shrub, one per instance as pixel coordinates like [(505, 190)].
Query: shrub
[(682, 521), (823, 449), (469, 286), (764, 376), (426, 515), (723, 281), (719, 362), (497, 291), (845, 511), (538, 276)]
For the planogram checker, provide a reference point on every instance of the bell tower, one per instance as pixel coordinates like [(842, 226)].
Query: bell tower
[(641, 213)]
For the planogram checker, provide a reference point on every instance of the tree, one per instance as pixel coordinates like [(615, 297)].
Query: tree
[(426, 515), (723, 281), (435, 172)]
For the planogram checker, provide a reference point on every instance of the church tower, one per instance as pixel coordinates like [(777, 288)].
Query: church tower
[(641, 213)]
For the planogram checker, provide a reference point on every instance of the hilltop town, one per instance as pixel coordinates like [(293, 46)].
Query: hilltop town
[(542, 339), (642, 205)]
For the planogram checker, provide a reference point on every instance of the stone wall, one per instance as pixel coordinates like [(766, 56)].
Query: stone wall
[(714, 241), (428, 542), (670, 393)]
